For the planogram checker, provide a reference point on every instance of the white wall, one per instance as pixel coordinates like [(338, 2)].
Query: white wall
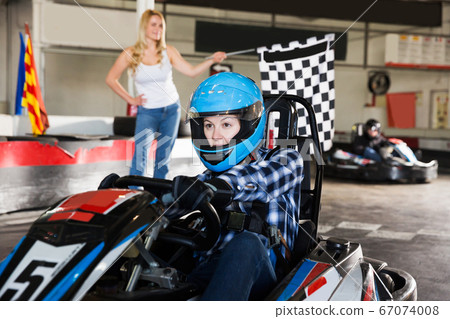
[(75, 84), (12, 19), (78, 26), (59, 125)]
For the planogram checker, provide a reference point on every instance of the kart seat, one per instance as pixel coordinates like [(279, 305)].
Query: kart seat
[(305, 241), (281, 120), (284, 124), (357, 130)]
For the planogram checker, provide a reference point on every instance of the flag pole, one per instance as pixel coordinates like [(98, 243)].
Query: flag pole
[(234, 53), (27, 29)]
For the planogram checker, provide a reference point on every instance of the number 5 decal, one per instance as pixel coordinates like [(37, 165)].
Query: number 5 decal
[(26, 276)]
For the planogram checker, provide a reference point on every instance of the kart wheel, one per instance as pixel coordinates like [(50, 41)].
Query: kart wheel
[(124, 125), (418, 154), (387, 281), (108, 181)]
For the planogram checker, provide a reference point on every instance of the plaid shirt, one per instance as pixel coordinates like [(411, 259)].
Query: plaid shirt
[(274, 181)]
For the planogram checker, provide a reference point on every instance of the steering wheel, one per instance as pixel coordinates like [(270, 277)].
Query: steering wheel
[(202, 240)]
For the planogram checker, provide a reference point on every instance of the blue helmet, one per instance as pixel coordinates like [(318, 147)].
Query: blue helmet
[(223, 94)]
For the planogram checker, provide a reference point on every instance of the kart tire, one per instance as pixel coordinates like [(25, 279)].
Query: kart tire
[(108, 181), (124, 125), (405, 284), (387, 281), (418, 154)]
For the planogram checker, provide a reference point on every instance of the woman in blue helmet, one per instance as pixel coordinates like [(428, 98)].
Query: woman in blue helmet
[(259, 220)]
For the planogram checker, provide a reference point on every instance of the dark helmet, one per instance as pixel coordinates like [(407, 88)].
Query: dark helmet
[(221, 94), (373, 125)]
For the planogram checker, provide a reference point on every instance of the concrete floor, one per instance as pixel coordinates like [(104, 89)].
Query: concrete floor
[(406, 225)]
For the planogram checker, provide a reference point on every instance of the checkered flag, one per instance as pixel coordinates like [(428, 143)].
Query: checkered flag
[(305, 69)]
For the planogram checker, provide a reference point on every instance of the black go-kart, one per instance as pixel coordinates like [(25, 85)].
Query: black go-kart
[(399, 164), (115, 243)]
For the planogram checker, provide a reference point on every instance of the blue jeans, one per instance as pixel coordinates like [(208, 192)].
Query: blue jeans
[(370, 153), (240, 271), (160, 124)]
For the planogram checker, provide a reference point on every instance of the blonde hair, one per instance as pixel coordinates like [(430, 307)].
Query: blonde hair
[(141, 43)]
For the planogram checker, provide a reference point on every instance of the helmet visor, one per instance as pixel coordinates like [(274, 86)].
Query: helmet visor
[(249, 113)]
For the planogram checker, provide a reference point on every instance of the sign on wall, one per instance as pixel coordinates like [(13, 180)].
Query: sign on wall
[(439, 109)]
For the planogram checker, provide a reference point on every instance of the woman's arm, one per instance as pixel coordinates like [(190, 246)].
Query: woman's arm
[(183, 66), (114, 74)]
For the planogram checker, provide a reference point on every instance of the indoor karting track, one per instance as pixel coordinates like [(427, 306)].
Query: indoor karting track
[(406, 225)]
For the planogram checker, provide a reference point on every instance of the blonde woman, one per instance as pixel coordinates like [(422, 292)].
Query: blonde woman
[(151, 61)]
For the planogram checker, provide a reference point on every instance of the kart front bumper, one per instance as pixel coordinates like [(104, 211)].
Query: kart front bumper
[(376, 172)]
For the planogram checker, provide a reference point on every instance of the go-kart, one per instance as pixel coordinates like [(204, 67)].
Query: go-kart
[(399, 163), (115, 243)]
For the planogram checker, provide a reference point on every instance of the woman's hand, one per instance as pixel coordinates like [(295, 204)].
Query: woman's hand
[(219, 56), (138, 100)]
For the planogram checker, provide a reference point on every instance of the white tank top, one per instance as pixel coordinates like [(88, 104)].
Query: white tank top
[(156, 83)]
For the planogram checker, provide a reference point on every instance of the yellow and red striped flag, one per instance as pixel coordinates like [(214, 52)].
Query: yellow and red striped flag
[(32, 97)]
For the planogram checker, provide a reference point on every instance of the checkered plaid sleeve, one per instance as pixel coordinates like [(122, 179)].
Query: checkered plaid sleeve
[(266, 180)]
